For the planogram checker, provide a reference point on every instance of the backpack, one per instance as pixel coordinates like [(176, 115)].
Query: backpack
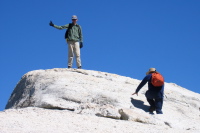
[(157, 79), (67, 31)]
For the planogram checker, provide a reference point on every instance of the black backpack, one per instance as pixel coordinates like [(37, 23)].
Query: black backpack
[(67, 31)]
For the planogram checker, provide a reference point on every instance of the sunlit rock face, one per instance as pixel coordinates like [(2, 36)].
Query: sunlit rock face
[(101, 94)]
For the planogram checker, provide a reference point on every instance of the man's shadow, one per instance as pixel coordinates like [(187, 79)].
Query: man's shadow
[(139, 104)]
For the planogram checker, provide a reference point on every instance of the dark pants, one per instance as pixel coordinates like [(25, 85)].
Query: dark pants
[(157, 104), (155, 99)]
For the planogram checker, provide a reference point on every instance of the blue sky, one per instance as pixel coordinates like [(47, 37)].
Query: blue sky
[(124, 37)]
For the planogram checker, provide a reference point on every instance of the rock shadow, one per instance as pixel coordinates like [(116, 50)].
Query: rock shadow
[(139, 104)]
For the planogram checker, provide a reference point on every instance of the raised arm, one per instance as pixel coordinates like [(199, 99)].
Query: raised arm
[(59, 27)]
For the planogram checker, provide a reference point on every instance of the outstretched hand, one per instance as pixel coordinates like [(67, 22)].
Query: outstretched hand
[(51, 23), (135, 93)]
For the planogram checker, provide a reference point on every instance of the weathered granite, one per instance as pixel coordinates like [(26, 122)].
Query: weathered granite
[(103, 94)]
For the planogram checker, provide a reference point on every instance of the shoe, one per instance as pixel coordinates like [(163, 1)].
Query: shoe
[(79, 67), (69, 67), (151, 109)]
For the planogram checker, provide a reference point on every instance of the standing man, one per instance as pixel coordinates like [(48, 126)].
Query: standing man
[(154, 94), (74, 40)]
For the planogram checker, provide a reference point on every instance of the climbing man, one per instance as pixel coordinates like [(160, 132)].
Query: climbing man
[(74, 40), (155, 91)]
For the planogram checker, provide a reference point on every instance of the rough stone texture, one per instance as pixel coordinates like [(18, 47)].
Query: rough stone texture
[(38, 120), (93, 93)]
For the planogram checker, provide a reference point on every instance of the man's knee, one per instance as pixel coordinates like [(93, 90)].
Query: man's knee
[(71, 56)]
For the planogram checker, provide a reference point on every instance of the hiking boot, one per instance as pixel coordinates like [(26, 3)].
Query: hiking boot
[(151, 109), (79, 67)]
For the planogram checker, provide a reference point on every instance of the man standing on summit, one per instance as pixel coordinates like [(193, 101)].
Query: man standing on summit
[(74, 40)]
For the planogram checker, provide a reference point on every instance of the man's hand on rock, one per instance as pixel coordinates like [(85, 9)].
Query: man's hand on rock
[(135, 93)]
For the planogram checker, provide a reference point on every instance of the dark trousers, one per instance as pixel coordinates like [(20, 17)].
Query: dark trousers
[(157, 104)]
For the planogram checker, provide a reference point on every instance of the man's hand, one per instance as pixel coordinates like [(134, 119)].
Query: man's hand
[(51, 23), (81, 44), (135, 93)]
